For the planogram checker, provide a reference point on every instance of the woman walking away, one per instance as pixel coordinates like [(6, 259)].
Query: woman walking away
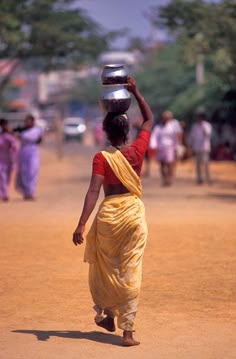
[(200, 140), (8, 151), (116, 241), (28, 160)]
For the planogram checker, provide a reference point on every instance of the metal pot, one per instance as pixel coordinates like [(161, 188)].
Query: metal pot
[(115, 98), (114, 74)]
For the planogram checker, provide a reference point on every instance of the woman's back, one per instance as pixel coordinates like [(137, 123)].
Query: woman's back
[(134, 154)]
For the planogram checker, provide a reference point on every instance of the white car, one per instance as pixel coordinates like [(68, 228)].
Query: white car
[(74, 127)]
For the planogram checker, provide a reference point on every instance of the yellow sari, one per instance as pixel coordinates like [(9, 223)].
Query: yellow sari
[(115, 245)]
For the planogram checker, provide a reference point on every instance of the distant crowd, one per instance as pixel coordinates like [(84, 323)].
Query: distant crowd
[(171, 141), (19, 151)]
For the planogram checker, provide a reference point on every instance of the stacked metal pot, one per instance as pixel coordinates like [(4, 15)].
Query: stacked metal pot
[(114, 96)]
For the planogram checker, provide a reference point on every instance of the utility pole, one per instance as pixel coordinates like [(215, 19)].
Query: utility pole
[(199, 71)]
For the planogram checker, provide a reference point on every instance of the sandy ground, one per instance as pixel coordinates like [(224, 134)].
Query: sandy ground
[(188, 302)]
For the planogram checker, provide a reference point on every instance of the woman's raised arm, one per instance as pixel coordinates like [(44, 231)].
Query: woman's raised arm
[(144, 107)]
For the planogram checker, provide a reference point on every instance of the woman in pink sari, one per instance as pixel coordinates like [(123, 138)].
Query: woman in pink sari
[(8, 150)]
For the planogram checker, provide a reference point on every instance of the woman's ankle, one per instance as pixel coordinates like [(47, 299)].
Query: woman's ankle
[(128, 339), (127, 334)]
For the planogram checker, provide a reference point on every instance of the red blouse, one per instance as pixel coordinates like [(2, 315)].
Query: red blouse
[(133, 153)]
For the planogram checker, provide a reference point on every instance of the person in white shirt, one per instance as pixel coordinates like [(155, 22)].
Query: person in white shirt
[(200, 141), (165, 139)]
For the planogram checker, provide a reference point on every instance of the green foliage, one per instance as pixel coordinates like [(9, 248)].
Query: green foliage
[(187, 102), (201, 29), (169, 83), (165, 78), (49, 29), (205, 28)]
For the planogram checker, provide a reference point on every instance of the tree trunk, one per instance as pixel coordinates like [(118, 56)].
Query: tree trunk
[(200, 76)]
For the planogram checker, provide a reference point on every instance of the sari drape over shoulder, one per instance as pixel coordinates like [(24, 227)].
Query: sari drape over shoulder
[(115, 245)]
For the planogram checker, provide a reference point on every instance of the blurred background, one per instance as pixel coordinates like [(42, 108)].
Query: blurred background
[(182, 54)]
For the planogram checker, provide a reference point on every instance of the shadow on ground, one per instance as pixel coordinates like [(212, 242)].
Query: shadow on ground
[(44, 335), (224, 196)]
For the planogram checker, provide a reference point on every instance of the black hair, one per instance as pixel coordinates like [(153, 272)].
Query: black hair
[(116, 126), (3, 122), (30, 117)]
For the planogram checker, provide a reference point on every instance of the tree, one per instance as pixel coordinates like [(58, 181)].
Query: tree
[(205, 28), (203, 31), (165, 78), (53, 31), (169, 83), (137, 43)]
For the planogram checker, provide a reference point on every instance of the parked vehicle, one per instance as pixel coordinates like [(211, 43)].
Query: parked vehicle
[(74, 127)]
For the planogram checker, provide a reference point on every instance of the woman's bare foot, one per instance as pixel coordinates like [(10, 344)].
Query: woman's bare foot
[(128, 340), (108, 324)]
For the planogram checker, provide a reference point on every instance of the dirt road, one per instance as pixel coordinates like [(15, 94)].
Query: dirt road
[(188, 303)]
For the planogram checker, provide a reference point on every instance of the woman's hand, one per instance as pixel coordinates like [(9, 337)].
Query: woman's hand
[(78, 235), (89, 204), (131, 84)]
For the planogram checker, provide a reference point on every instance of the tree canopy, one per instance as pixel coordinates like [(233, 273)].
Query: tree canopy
[(207, 28), (199, 29), (48, 28), (48, 34)]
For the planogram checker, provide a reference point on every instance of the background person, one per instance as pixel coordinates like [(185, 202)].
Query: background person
[(8, 151), (116, 241), (200, 141), (28, 159), (165, 139)]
